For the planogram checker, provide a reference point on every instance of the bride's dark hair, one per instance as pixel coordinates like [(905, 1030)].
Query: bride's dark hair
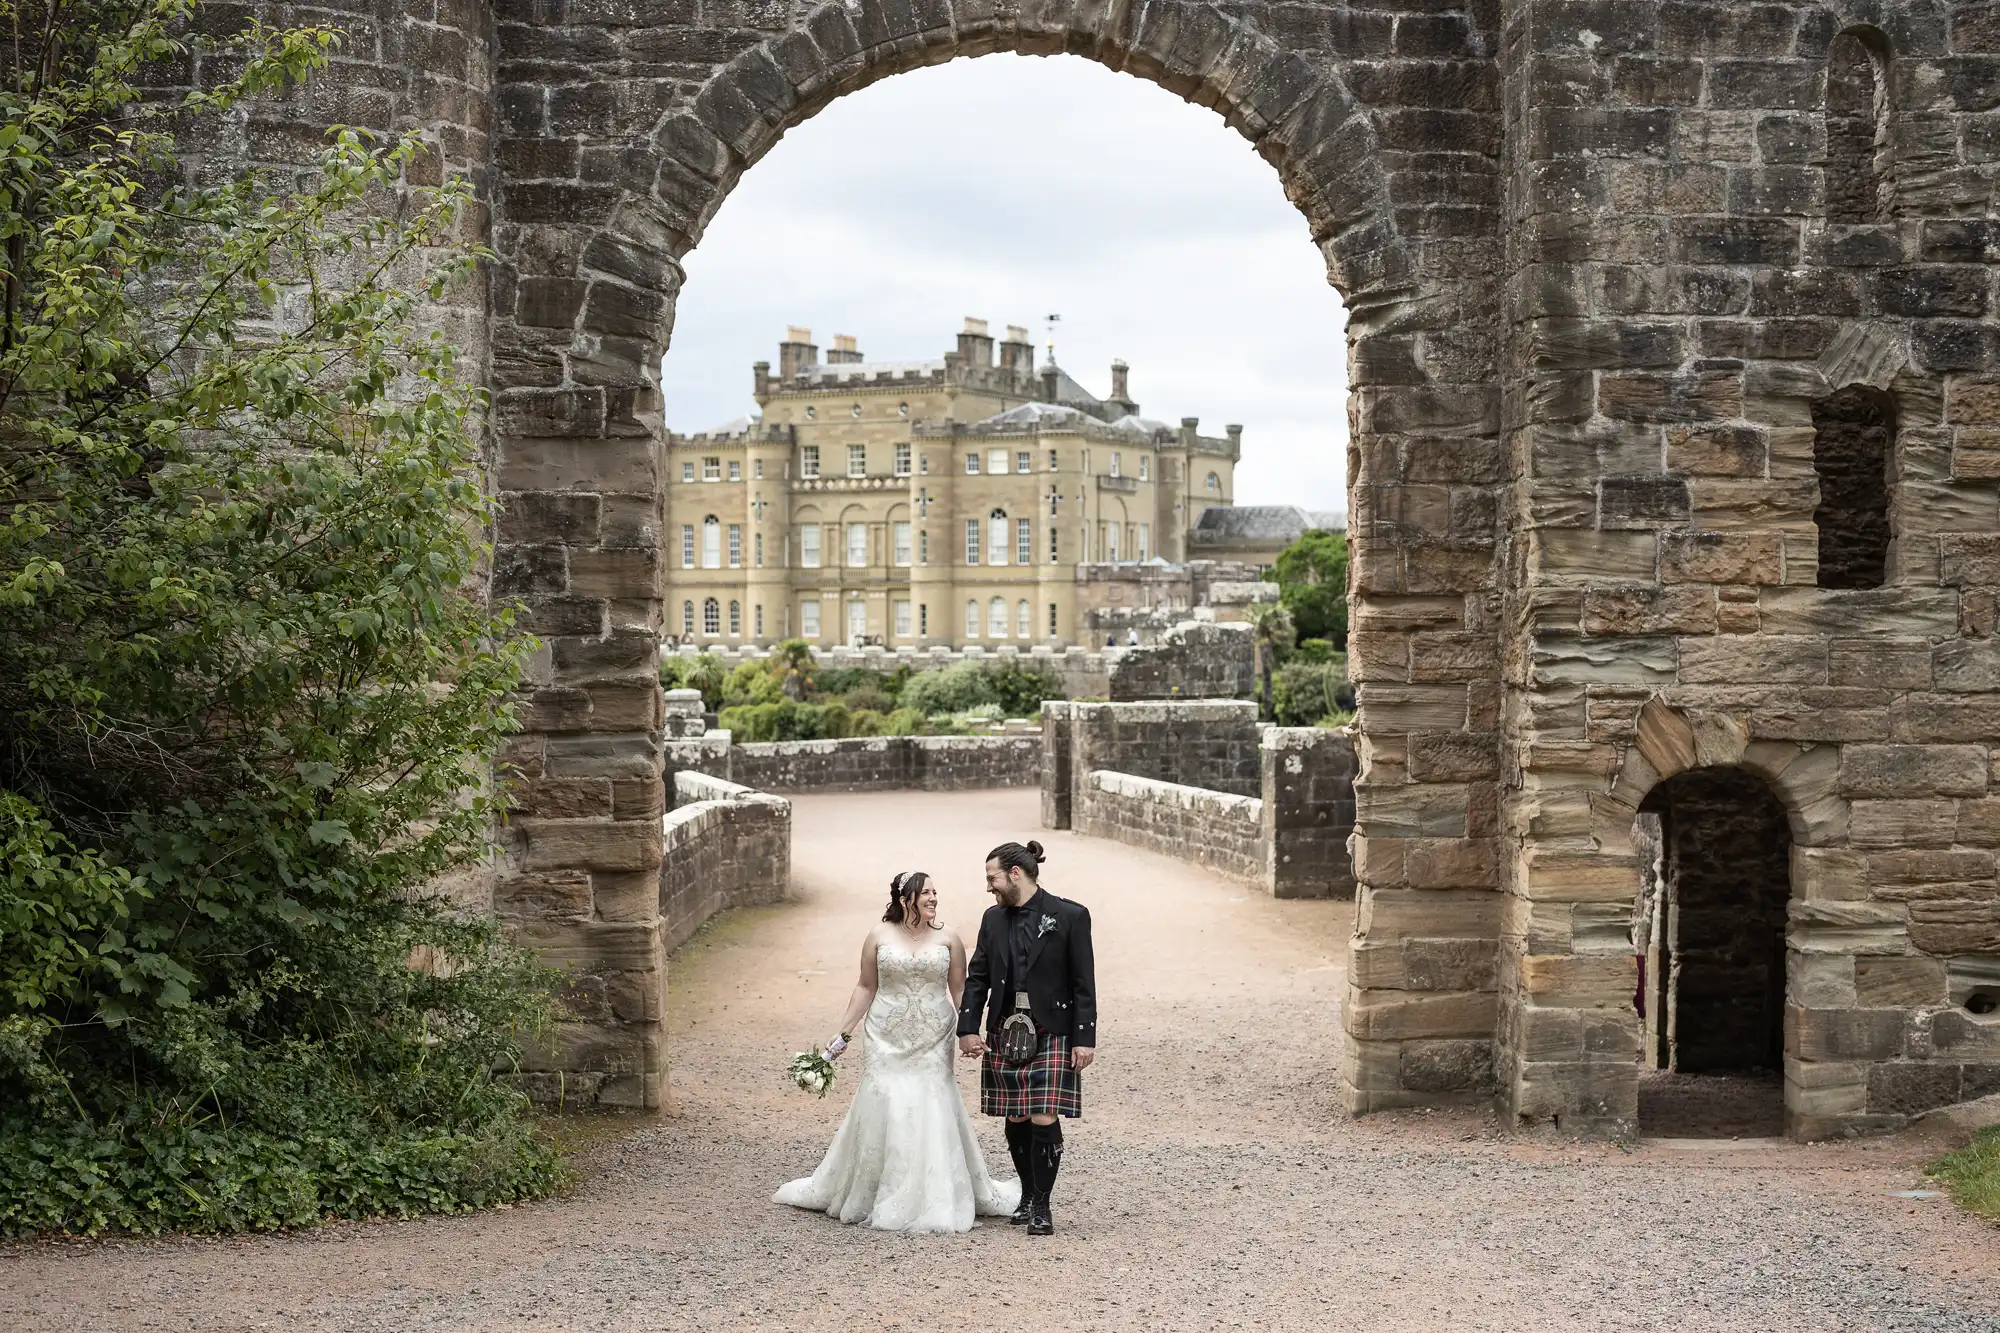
[(903, 891)]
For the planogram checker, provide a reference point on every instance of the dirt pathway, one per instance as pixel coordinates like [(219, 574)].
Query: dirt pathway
[(1214, 1183)]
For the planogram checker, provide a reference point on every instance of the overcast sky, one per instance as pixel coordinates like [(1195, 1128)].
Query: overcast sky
[(1013, 187)]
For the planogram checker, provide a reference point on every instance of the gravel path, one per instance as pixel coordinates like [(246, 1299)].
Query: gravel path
[(1214, 1183)]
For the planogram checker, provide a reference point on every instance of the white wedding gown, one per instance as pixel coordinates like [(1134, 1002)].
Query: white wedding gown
[(905, 1158)]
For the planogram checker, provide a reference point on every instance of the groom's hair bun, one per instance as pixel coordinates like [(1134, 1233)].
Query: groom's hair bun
[(1013, 856)]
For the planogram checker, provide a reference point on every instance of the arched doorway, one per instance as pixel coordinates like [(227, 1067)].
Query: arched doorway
[(1715, 853)]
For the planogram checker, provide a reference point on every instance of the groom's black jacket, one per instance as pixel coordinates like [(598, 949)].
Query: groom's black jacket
[(1062, 972)]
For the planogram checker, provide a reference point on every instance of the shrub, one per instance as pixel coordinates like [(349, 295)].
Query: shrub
[(752, 682), (867, 698), (702, 671), (1020, 690), (241, 688), (1312, 584), (955, 689), (903, 722), (1305, 692)]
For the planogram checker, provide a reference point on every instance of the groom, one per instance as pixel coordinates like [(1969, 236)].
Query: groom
[(1034, 957)]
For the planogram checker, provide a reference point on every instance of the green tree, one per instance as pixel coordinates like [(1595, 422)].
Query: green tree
[(1270, 633), (1312, 582), (246, 700)]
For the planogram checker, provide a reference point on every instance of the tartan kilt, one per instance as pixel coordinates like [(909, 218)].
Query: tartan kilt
[(1046, 1085)]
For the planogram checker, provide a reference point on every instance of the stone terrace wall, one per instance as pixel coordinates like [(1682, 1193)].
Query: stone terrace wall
[(1085, 673), (889, 763), (1210, 828), (1212, 744), (1302, 805), (725, 846), (1195, 660), (1308, 811)]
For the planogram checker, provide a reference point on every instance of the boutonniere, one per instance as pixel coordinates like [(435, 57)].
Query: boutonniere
[(1048, 924)]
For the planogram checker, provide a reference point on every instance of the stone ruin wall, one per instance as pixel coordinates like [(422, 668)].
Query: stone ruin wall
[(1609, 267), (1270, 805)]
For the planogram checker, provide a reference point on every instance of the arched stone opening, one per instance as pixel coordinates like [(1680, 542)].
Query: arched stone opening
[(620, 133), (1715, 861)]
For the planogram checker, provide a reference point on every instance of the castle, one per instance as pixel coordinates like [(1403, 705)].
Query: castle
[(917, 503)]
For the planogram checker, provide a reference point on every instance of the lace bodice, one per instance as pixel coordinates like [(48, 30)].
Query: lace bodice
[(912, 1012)]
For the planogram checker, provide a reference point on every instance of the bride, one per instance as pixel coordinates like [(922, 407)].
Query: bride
[(905, 1159)]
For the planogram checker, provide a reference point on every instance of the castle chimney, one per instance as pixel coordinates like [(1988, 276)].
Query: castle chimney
[(1235, 434), (1119, 393), (1188, 431), (844, 352), (1017, 354), (975, 345), (760, 373), (796, 353)]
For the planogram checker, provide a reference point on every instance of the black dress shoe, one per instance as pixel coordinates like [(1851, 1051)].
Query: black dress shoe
[(1039, 1221), (1021, 1213)]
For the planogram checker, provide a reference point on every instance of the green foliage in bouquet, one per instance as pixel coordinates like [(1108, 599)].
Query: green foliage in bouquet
[(247, 703)]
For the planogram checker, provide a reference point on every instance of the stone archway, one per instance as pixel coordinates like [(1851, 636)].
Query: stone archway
[(621, 131)]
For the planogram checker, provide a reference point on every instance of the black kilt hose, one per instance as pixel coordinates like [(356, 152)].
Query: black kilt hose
[(1046, 1085)]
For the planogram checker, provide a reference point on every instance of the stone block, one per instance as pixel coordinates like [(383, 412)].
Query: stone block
[(1894, 664), (1412, 810), (1913, 770), (1902, 823), (1569, 981), (1843, 1034), (1722, 558), (1402, 1015), (1911, 1088), (590, 844), (551, 894), (1905, 983), (1446, 1066), (1829, 874), (1841, 927), (1821, 981), (1555, 876), (1948, 928), (1769, 658)]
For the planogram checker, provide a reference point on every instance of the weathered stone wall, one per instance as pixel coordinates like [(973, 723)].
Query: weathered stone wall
[(726, 846), (1307, 803), (869, 763), (1210, 828), (1193, 660), (1195, 743), (1301, 803)]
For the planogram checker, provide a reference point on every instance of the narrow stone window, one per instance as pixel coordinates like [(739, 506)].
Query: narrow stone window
[(1854, 153), (1854, 433)]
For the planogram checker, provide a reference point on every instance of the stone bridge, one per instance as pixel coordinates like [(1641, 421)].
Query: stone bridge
[(1675, 448)]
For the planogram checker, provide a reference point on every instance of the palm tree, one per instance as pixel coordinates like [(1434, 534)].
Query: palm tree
[(1270, 630)]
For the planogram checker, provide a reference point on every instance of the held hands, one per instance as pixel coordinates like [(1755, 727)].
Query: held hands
[(972, 1046)]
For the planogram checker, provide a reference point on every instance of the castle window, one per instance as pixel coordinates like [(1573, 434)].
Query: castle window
[(711, 542), (812, 414), (1023, 461), (1854, 434), (996, 618), (735, 619), (757, 468), (855, 411), (1052, 460), (1145, 469), (903, 459), (757, 619), (808, 460), (1052, 620), (902, 620), (996, 547), (1145, 540), (902, 409), (711, 617), (760, 556), (736, 546), (1214, 484), (711, 469), (899, 541), (972, 465), (687, 617), (809, 618), (1055, 545), (687, 471), (996, 462), (687, 546), (857, 545), (1024, 620), (971, 618), (735, 470), (857, 460), (923, 618), (1854, 138), (971, 541), (1116, 459), (1024, 546), (809, 546), (924, 547)]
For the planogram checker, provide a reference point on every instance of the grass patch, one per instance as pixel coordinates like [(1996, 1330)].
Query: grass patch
[(1972, 1174)]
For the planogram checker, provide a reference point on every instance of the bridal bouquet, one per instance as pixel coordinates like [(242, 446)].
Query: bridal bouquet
[(812, 1071)]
